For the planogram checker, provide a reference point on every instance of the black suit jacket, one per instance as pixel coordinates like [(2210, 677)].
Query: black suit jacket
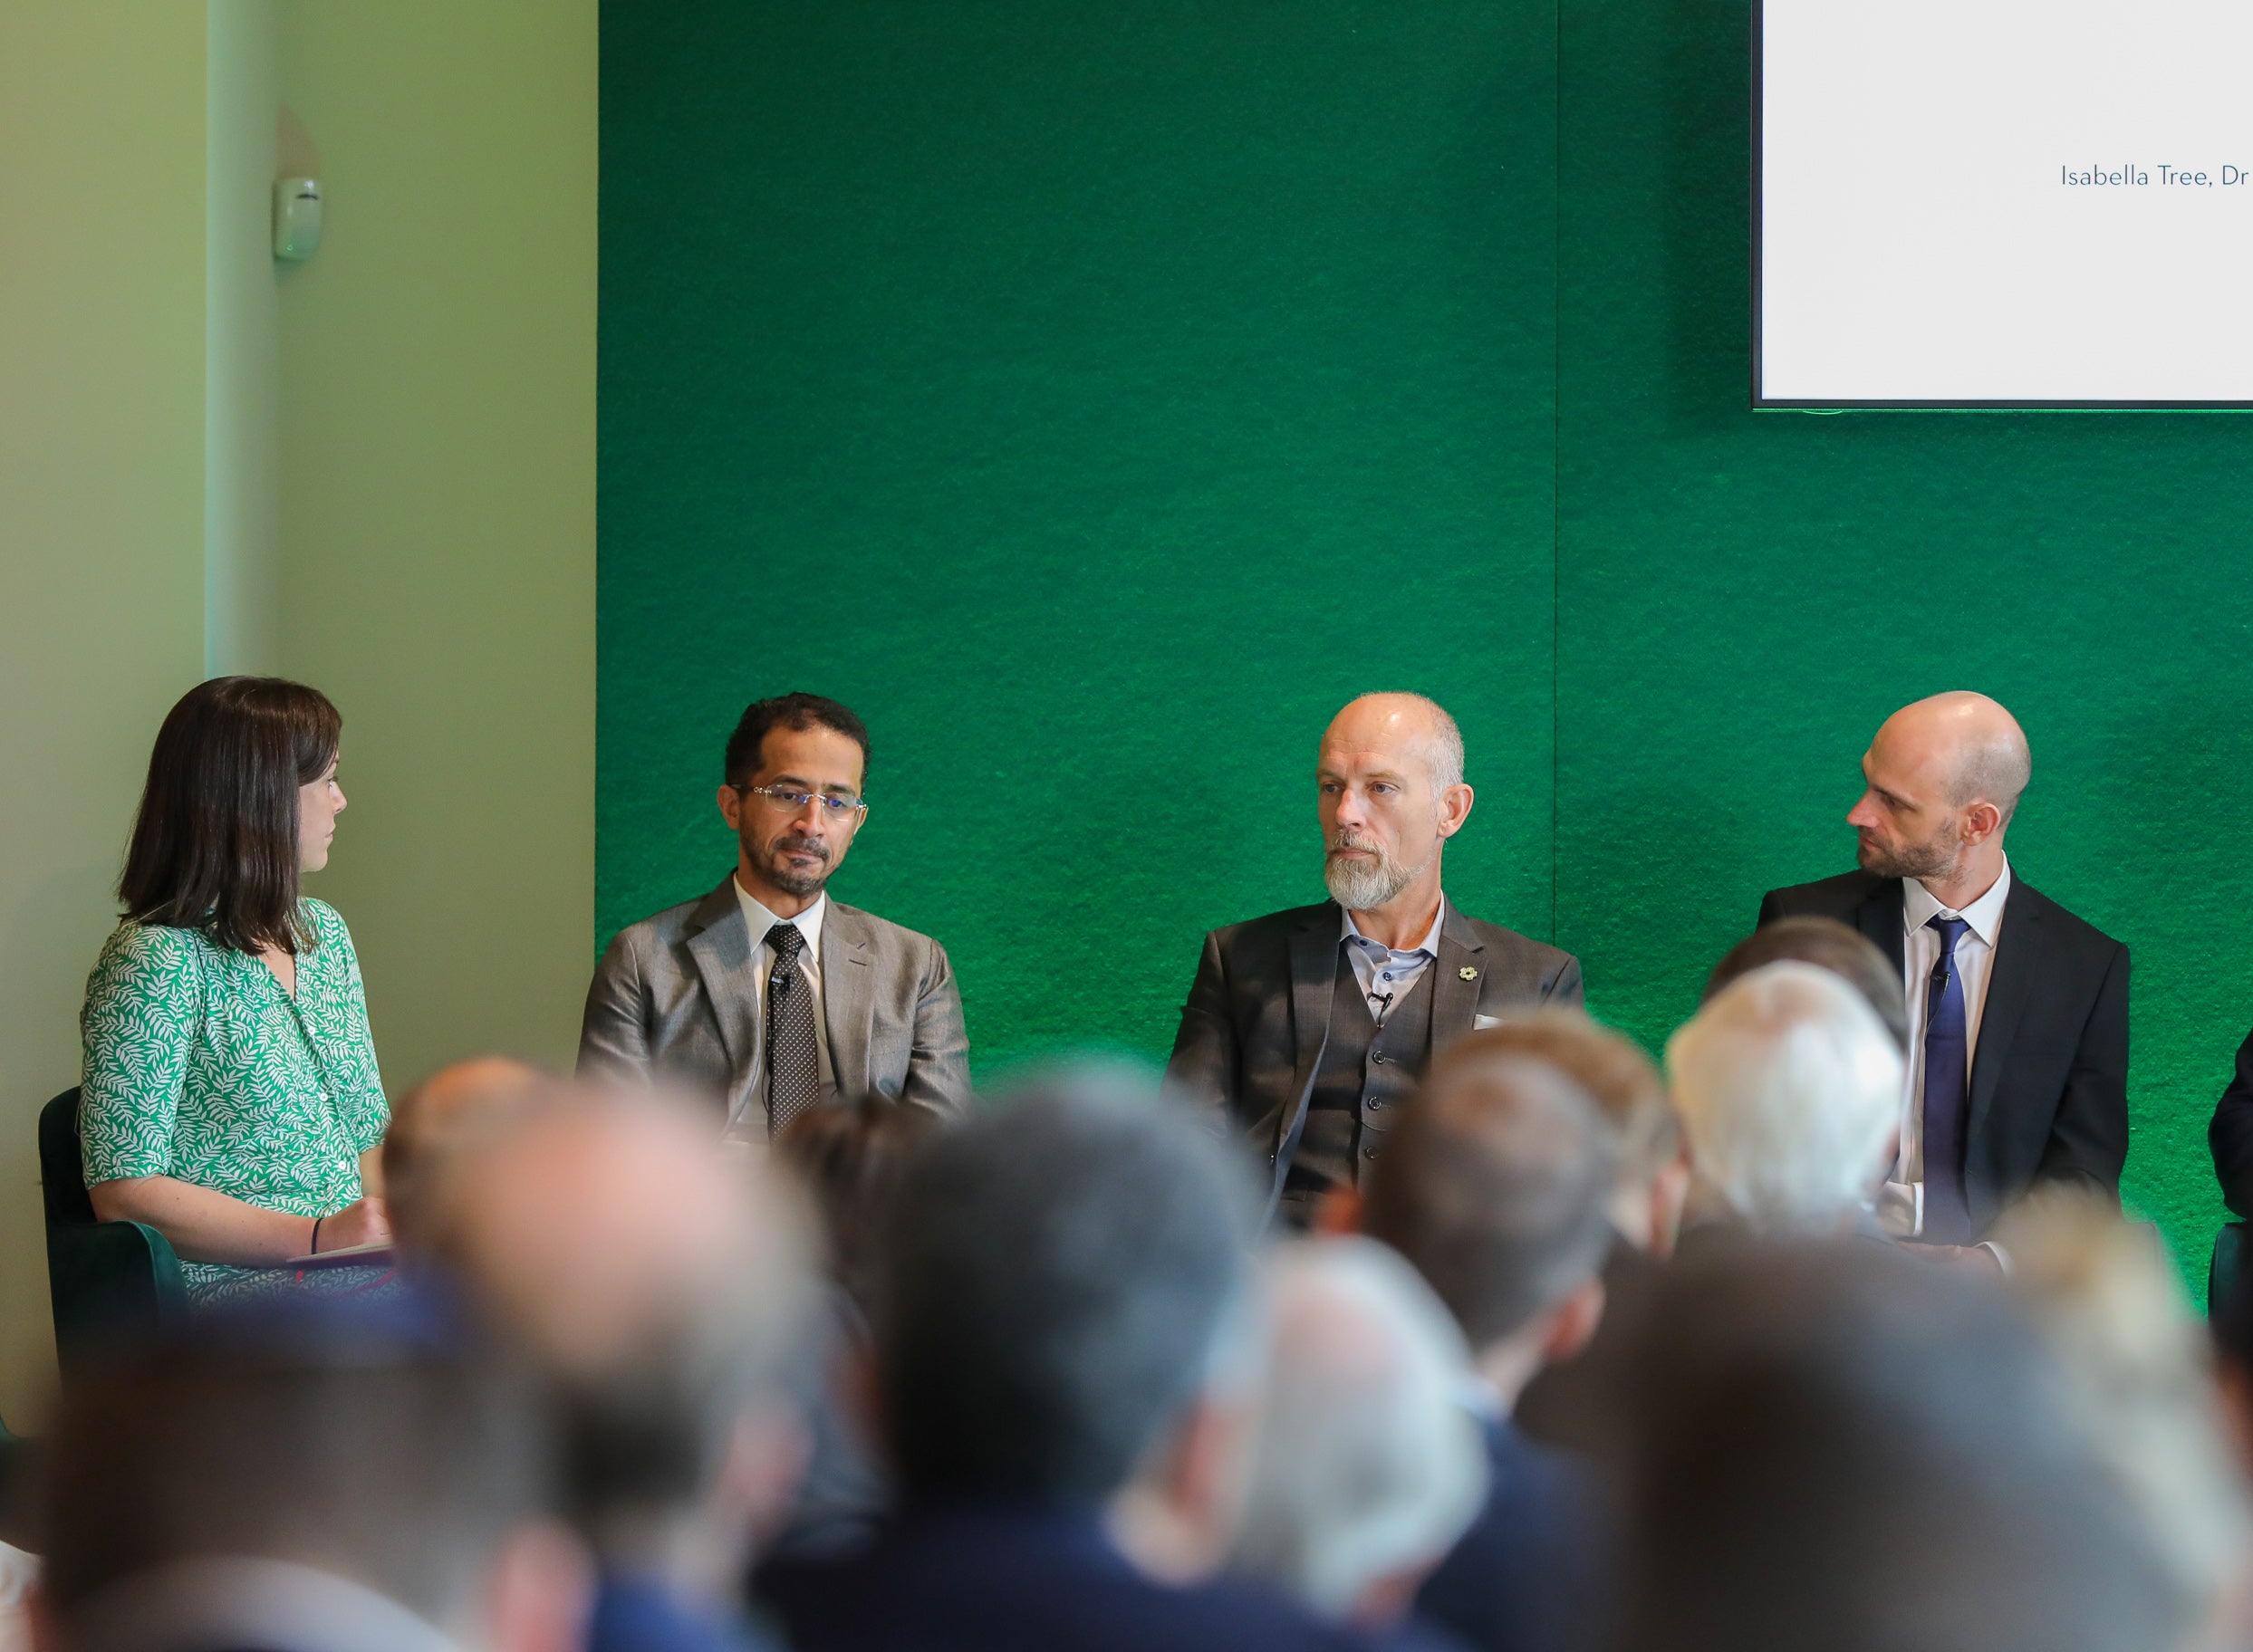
[(2231, 1135), (1007, 1577), (1533, 1571), (1259, 1013), (2049, 1079)]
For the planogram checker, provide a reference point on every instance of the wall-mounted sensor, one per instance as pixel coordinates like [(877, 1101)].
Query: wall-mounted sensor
[(296, 217)]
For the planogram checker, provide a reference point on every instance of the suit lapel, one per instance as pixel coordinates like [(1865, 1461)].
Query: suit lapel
[(1880, 919), (721, 943), (848, 995), (1454, 994), (2009, 990)]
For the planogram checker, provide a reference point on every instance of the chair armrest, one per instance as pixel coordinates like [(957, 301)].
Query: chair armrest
[(2226, 1270), (110, 1279)]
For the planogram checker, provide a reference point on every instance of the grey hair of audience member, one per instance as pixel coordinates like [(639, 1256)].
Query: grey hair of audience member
[(1827, 943), (1834, 1444), (1062, 1274), (1789, 1088), (321, 1444), (1366, 1467), (1493, 1185), (2138, 1376), (660, 1282)]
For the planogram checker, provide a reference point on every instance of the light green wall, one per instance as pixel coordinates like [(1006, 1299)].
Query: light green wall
[(375, 473), (101, 493), (243, 342), (438, 503)]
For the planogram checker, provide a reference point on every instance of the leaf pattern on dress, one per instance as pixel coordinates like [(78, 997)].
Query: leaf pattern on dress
[(199, 1066)]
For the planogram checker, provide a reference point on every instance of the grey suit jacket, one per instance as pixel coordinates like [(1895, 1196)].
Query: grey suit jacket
[(1259, 1013), (673, 997)]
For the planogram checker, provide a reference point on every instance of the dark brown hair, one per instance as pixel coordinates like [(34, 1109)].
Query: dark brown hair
[(796, 712), (1493, 1185), (850, 1155), (215, 842), (1826, 944)]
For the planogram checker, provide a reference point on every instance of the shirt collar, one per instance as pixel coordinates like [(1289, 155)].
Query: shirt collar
[(760, 921), (1984, 915), (1428, 946)]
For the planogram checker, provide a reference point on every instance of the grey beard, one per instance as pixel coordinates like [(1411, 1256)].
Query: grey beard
[(1358, 888)]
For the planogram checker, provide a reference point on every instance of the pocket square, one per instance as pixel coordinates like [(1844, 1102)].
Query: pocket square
[(1479, 1023)]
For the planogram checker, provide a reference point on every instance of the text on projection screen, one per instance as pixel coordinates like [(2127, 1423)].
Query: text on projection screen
[(2006, 200)]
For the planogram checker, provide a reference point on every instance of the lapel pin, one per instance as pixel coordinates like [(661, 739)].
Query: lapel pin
[(1468, 973)]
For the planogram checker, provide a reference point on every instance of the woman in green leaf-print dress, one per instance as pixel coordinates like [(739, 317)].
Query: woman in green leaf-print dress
[(231, 1098)]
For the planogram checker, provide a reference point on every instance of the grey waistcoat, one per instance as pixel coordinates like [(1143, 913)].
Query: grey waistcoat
[(1366, 1071)]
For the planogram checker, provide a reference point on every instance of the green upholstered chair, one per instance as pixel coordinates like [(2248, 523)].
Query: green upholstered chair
[(108, 1280)]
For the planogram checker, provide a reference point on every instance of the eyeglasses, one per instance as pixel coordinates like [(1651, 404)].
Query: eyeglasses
[(794, 799)]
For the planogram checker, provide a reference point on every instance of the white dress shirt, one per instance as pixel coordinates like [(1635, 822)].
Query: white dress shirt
[(1387, 975), (1901, 1206), (750, 1115)]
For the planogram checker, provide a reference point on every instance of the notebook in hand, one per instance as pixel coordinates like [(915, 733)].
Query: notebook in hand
[(380, 1253)]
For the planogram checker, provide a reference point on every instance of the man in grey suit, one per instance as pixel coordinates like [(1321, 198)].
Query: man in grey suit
[(766, 991), (1306, 1029)]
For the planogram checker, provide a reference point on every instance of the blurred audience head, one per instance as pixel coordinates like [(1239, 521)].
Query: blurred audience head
[(1367, 1466), (1827, 943), (1061, 1315), (1789, 1088), (1494, 1186), (660, 1282), (1611, 1070), (263, 1483), (850, 1156), (1834, 1444), (454, 1103), (2139, 1380)]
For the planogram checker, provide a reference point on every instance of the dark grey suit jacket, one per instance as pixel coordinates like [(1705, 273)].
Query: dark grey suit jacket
[(2049, 1079), (673, 997), (1259, 1013)]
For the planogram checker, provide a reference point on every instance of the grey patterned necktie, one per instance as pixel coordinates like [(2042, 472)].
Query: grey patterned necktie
[(793, 1067)]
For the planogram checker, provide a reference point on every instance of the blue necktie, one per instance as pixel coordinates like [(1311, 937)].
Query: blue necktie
[(1947, 1075)]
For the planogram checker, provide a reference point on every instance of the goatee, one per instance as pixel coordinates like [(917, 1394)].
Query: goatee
[(1359, 885)]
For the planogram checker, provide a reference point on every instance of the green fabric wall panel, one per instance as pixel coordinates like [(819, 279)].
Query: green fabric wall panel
[(1743, 596), (1097, 396), (1093, 397)]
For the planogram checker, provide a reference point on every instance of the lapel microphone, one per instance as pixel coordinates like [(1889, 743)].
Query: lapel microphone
[(1383, 1001)]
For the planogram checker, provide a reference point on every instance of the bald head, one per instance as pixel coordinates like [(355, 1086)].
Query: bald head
[(452, 1103), (1943, 777), (590, 1227), (1974, 748), (658, 1279), (1389, 776), (1398, 727)]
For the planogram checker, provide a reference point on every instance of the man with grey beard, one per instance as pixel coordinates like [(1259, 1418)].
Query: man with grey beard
[(1305, 1030)]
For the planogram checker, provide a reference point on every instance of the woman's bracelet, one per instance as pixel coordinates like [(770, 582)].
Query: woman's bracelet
[(315, 1248)]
